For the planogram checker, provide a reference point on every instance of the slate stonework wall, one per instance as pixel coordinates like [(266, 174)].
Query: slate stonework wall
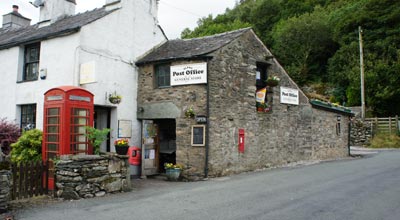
[(182, 97), (5, 190), (87, 176), (287, 134), (361, 133)]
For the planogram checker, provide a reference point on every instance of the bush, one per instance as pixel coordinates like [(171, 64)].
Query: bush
[(385, 141), (96, 137), (9, 133), (28, 147)]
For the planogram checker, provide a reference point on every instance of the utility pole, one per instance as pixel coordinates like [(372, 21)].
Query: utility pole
[(362, 73)]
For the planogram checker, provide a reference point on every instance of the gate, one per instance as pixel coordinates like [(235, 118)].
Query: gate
[(29, 180), (388, 125)]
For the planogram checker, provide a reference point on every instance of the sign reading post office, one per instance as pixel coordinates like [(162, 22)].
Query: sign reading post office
[(187, 74), (289, 96)]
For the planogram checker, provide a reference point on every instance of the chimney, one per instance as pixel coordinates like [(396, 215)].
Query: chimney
[(15, 20), (52, 10)]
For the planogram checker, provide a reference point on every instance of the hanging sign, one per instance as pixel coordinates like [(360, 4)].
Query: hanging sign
[(192, 73), (289, 96)]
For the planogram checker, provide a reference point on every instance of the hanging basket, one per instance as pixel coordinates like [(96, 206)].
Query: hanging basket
[(114, 100), (272, 82)]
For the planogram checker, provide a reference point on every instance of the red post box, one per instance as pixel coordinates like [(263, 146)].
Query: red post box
[(135, 159), (241, 140), (135, 156)]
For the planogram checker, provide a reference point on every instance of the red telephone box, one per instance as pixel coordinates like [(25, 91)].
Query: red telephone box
[(67, 110)]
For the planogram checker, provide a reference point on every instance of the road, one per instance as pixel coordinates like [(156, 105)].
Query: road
[(364, 189)]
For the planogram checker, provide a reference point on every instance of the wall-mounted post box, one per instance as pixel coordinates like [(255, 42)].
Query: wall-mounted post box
[(241, 140)]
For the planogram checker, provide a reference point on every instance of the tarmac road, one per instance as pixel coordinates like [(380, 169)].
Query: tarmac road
[(364, 189)]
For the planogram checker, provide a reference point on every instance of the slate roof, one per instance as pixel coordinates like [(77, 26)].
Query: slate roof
[(189, 48), (62, 27)]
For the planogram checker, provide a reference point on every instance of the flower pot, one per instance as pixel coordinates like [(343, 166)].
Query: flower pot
[(173, 174), (272, 83), (121, 150)]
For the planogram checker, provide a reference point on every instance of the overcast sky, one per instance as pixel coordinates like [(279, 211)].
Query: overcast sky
[(173, 15)]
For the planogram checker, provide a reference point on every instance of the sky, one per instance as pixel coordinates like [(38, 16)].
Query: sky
[(173, 15)]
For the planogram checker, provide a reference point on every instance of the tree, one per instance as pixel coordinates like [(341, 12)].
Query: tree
[(304, 43), (9, 133)]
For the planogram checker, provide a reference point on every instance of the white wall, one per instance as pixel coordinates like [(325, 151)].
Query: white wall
[(58, 57), (8, 72), (113, 43)]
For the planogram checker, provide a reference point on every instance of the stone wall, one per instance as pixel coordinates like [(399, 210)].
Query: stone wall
[(286, 134), (87, 176), (361, 133), (5, 190)]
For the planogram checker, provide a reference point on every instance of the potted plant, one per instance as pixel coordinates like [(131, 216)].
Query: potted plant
[(114, 98), (121, 146), (272, 81), (190, 112), (173, 171)]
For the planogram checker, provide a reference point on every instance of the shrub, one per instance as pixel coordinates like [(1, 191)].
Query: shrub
[(9, 133), (28, 147), (96, 137), (385, 141)]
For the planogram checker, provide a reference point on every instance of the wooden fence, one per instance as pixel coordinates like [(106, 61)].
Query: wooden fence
[(29, 179), (388, 125)]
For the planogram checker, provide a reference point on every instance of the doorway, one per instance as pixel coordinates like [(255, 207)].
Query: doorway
[(167, 142), (159, 145), (102, 119)]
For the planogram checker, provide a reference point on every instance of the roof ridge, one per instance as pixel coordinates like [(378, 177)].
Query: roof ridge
[(219, 34)]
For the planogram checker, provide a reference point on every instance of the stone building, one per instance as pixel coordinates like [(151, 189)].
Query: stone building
[(216, 78), (95, 50)]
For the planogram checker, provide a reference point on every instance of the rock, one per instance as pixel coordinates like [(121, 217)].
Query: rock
[(70, 195), (100, 194), (113, 186), (67, 173), (87, 196)]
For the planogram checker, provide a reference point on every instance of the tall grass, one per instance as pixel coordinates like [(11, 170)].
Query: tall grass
[(385, 141)]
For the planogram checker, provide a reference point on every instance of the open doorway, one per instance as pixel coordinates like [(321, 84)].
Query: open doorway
[(166, 141), (102, 119)]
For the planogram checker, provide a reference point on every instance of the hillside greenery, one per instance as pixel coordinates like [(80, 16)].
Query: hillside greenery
[(317, 42)]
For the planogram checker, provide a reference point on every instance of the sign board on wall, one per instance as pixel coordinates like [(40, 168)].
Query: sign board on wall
[(289, 96), (187, 74), (87, 73), (124, 128)]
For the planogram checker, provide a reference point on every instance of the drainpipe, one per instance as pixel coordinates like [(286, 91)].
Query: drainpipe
[(348, 137), (208, 125)]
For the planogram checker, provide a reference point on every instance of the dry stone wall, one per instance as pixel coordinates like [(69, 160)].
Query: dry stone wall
[(88, 176), (361, 133), (5, 190)]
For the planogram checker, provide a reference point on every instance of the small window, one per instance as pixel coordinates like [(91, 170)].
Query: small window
[(198, 135), (162, 75), (28, 117), (31, 62), (261, 75)]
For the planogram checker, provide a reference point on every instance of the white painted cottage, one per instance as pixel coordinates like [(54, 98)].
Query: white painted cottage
[(95, 50)]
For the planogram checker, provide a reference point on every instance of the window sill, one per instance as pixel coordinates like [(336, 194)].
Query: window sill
[(23, 81)]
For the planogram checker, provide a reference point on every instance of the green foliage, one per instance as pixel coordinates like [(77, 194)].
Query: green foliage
[(385, 141), (317, 41), (28, 148), (96, 137)]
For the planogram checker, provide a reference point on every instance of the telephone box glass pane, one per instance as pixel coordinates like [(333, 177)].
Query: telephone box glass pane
[(52, 147), (52, 120), (52, 138), (53, 111), (52, 129)]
